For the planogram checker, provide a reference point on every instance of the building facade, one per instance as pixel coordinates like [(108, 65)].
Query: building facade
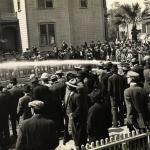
[(147, 3), (44, 23), (9, 27)]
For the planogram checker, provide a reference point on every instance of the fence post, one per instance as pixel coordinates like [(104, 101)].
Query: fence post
[(92, 145), (102, 142), (149, 140), (124, 146), (97, 143), (83, 147), (87, 146), (106, 141)]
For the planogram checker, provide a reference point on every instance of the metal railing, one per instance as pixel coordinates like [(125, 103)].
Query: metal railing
[(130, 141), (24, 73)]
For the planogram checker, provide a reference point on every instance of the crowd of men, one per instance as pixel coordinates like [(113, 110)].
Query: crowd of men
[(83, 103), (114, 51)]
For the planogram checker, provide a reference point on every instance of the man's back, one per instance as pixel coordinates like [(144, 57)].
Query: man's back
[(136, 103), (23, 108), (138, 97), (3, 106), (116, 85), (97, 121), (37, 133), (16, 93)]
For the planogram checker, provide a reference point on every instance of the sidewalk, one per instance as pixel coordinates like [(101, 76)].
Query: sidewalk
[(112, 132)]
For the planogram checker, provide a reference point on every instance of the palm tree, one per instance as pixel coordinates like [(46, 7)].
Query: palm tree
[(130, 14)]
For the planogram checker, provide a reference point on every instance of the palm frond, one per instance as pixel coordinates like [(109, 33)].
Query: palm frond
[(145, 13), (127, 9), (118, 15), (136, 8)]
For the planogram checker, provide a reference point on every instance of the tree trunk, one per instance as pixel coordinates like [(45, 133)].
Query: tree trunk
[(134, 33), (127, 32)]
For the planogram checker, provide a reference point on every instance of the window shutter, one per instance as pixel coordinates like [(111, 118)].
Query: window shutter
[(41, 3)]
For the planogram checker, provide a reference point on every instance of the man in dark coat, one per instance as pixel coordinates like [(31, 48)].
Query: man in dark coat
[(99, 120), (23, 109), (147, 82), (58, 91), (4, 112), (70, 89), (16, 93), (78, 116), (104, 83), (37, 133), (116, 86), (136, 103)]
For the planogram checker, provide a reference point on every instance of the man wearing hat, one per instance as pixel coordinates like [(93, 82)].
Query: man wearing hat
[(23, 109), (4, 115), (42, 93), (116, 87), (37, 133), (136, 101), (70, 89), (16, 93), (57, 89), (45, 79), (34, 81), (77, 109), (104, 84), (59, 75)]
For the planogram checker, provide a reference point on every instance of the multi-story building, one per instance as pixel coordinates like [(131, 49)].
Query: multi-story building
[(44, 23), (146, 20), (9, 31)]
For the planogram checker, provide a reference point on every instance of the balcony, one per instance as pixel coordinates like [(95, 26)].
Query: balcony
[(8, 17)]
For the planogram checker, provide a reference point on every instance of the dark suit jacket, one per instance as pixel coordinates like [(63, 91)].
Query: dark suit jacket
[(3, 107), (137, 109), (37, 133), (116, 86), (16, 93), (99, 120), (58, 92), (147, 80), (23, 109), (78, 106), (104, 83)]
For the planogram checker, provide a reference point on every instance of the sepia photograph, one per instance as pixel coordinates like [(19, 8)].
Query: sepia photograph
[(74, 74)]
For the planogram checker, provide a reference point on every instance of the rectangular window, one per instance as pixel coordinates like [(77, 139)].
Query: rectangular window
[(18, 5), (47, 34), (83, 3), (49, 3), (45, 4)]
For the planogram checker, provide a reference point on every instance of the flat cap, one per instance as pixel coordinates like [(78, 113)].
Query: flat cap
[(59, 72), (132, 74), (36, 104), (45, 75), (54, 77)]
